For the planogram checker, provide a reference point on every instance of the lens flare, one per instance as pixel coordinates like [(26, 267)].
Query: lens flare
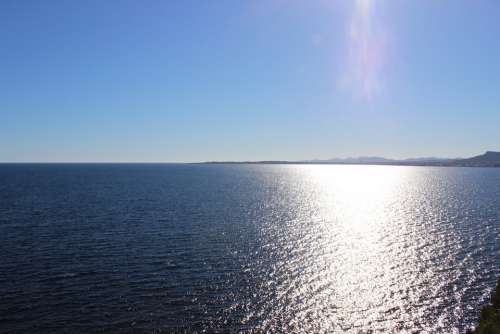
[(366, 51)]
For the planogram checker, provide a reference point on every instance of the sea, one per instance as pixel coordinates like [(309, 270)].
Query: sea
[(246, 248)]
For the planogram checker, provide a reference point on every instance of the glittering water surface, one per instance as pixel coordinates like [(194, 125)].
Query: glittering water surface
[(246, 248)]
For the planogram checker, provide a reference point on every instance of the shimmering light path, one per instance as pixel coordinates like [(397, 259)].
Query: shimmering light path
[(250, 248)]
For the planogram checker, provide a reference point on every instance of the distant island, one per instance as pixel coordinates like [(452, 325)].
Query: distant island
[(488, 159)]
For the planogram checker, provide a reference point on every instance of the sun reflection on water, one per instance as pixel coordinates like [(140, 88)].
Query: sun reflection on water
[(352, 254)]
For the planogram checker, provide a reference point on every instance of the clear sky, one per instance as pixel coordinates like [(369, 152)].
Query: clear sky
[(248, 80)]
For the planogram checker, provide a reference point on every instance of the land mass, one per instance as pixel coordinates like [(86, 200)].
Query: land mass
[(489, 319), (488, 159)]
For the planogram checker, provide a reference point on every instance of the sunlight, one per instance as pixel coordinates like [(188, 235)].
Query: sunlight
[(356, 207), (356, 194)]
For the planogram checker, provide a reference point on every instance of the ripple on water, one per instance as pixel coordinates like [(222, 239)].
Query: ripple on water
[(186, 248)]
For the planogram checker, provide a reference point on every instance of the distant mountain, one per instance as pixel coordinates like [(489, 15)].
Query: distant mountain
[(427, 159), (488, 159), (351, 160), (366, 160)]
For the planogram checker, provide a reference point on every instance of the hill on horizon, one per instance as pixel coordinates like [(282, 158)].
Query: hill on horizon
[(488, 159)]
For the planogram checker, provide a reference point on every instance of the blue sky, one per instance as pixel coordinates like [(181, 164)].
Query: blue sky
[(188, 80)]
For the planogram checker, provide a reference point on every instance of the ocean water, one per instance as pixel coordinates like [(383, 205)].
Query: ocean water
[(246, 248)]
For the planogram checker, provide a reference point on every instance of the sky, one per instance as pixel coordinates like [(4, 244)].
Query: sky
[(186, 81)]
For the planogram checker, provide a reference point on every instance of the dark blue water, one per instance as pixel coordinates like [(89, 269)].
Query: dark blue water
[(246, 248)]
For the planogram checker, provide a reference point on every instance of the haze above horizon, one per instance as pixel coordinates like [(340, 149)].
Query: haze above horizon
[(128, 81)]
